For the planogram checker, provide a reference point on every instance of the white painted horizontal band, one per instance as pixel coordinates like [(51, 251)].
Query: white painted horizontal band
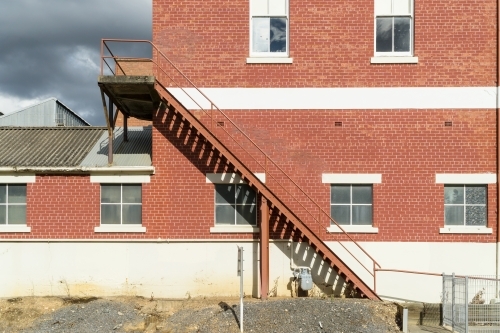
[(270, 60), (120, 228), (234, 229), (394, 60), (120, 178), (361, 229), (230, 178), (465, 230), (351, 178), (17, 178), (14, 228), (470, 178), (340, 98)]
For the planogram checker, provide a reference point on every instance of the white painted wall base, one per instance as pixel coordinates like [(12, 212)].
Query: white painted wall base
[(182, 269)]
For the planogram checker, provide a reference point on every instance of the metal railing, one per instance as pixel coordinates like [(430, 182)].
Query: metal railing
[(222, 127)]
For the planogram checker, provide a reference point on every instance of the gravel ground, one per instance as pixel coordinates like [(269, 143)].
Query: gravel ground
[(140, 315)]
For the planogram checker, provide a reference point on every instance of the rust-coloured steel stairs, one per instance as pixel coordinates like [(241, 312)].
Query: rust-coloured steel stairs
[(133, 94)]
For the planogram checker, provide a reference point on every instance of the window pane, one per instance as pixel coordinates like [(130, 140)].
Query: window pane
[(277, 7), (224, 193), (361, 215), (383, 7), (224, 214), (454, 215), (3, 214), (3, 194), (110, 214), (475, 194), (402, 7), (475, 215), (132, 193), (340, 214), (453, 194), (17, 214), (258, 7), (17, 194), (384, 34), (402, 34), (260, 34), (341, 194), (110, 193), (278, 35), (362, 194), (132, 214), (246, 214), (245, 195)]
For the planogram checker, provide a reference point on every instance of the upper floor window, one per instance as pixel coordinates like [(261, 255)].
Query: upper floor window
[(269, 28), (121, 204), (12, 204), (393, 27), (465, 205)]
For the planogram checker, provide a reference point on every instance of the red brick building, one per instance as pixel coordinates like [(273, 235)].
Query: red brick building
[(381, 114)]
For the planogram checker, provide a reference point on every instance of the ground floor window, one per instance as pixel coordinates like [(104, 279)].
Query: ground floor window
[(121, 204), (465, 205), (235, 204), (351, 204), (12, 204)]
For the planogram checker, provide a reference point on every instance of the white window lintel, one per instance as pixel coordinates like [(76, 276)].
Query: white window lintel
[(120, 178), (351, 178), (234, 229), (471, 178), (230, 178), (17, 178)]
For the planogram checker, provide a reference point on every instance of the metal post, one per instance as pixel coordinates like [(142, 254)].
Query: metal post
[(240, 272), (443, 300), (466, 304), (110, 129), (452, 302), (264, 248)]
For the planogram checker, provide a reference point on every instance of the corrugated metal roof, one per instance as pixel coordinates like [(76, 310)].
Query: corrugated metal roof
[(135, 152), (46, 146), (49, 112)]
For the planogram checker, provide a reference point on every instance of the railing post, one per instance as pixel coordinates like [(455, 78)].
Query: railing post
[(374, 277), (443, 298), (466, 304), (452, 302)]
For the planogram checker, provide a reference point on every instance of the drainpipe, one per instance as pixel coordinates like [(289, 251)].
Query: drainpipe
[(498, 147), (264, 249)]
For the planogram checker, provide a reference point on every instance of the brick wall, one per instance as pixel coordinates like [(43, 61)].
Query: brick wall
[(131, 122), (331, 44)]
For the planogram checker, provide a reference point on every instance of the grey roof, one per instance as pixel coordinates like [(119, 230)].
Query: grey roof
[(135, 152), (46, 146), (50, 112)]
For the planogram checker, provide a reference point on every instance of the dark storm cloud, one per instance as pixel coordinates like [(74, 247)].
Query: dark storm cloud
[(50, 48)]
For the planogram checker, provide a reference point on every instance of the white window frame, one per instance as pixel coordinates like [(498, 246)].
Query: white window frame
[(13, 227), (466, 179), (352, 179), (268, 57), (393, 57), (16, 178), (232, 178)]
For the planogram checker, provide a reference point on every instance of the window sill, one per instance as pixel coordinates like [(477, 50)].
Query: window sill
[(234, 229), (465, 230), (120, 228), (361, 229), (269, 60), (14, 228), (394, 60)]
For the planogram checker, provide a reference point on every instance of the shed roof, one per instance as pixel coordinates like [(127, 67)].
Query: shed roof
[(46, 146)]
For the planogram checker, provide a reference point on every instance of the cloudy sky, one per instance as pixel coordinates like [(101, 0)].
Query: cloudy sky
[(50, 48)]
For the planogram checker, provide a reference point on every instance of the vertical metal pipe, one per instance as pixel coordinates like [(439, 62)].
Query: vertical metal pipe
[(498, 149), (466, 304), (264, 248), (453, 302), (110, 131)]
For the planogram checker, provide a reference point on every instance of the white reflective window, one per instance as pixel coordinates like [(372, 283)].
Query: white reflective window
[(269, 28), (393, 27)]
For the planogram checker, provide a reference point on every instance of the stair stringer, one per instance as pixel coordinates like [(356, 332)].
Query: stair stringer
[(307, 234)]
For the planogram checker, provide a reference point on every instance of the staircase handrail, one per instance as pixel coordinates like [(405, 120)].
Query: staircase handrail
[(322, 212)]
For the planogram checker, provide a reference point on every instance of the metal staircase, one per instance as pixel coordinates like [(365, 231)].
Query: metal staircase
[(168, 89)]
